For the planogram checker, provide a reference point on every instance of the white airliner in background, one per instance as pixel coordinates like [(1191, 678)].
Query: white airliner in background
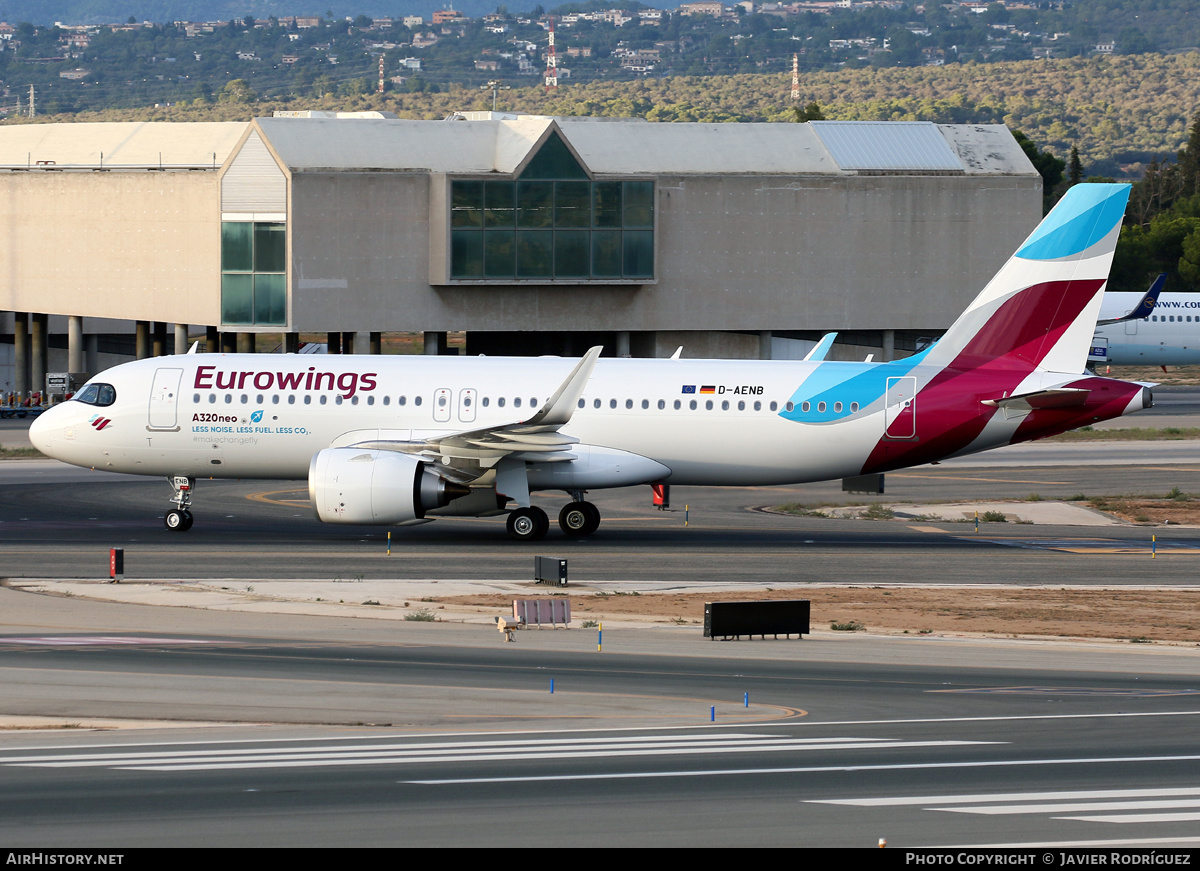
[(397, 439), (1165, 334)]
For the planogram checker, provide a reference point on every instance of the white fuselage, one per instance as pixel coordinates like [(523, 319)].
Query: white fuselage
[(221, 424), (1170, 336), (710, 422)]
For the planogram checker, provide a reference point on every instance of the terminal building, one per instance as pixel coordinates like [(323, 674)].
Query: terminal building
[(530, 234)]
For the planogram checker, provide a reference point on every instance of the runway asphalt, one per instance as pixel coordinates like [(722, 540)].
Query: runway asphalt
[(323, 725)]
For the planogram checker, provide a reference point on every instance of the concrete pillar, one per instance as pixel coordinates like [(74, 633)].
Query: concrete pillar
[(376, 343), (889, 345), (158, 345), (21, 352), (91, 354), (764, 344), (142, 339), (245, 343), (75, 344), (291, 343), (435, 343), (212, 340), (623, 343), (181, 339), (39, 346)]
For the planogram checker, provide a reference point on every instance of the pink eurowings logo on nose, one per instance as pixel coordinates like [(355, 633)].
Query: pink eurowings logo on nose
[(99, 422)]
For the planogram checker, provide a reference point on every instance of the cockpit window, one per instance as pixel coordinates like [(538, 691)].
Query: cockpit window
[(97, 394)]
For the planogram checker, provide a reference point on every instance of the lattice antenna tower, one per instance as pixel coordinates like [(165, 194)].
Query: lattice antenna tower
[(551, 61), (796, 78)]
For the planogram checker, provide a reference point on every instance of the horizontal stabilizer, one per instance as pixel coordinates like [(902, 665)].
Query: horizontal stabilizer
[(1055, 397)]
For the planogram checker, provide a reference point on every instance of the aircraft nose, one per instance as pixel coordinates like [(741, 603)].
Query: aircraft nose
[(40, 430)]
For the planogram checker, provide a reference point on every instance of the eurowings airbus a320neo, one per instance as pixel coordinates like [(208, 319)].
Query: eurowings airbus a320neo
[(398, 439)]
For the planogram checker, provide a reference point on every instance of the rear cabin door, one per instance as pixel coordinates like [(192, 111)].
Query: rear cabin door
[(900, 409)]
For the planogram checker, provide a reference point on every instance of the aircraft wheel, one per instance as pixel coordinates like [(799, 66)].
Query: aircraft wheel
[(528, 524), (178, 521), (578, 519), (573, 519), (593, 518)]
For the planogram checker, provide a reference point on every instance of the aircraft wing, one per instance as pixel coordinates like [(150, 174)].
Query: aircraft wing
[(1145, 304), (467, 455)]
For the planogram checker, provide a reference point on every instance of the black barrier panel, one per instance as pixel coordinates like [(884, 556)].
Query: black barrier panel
[(864, 484), (761, 617), (550, 570)]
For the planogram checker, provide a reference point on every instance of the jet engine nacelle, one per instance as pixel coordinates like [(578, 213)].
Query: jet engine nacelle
[(348, 485)]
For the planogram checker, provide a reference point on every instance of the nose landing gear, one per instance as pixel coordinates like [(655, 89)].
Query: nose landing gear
[(179, 518)]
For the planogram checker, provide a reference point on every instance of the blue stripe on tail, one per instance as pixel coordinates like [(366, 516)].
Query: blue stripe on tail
[(1085, 215)]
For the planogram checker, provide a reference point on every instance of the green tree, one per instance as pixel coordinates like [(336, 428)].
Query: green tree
[(1189, 262), (237, 91), (1048, 166), (1074, 167), (811, 112), (1189, 161)]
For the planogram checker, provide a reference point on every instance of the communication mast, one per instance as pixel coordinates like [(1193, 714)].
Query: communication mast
[(795, 78), (551, 61), (32, 105), (381, 74)]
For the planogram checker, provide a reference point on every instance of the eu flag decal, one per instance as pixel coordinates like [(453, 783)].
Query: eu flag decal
[(689, 388)]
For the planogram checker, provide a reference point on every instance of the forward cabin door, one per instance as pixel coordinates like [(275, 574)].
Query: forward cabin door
[(164, 399)]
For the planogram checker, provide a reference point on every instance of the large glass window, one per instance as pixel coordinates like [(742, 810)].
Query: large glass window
[(552, 223), (253, 273)]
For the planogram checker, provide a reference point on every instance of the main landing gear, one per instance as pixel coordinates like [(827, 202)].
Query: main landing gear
[(179, 518), (577, 519)]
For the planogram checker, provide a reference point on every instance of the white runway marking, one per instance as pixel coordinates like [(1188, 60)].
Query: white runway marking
[(450, 752), (1117, 805)]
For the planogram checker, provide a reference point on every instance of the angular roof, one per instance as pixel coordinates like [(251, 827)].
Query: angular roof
[(119, 144), (502, 143), (634, 147)]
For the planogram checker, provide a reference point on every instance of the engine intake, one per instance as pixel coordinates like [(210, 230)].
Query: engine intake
[(348, 485)]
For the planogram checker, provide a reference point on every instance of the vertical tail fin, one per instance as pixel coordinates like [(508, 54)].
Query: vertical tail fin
[(1041, 308)]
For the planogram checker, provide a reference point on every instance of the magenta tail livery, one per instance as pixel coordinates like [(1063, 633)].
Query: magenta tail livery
[(398, 439)]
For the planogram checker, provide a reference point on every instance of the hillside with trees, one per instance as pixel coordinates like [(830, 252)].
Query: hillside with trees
[(1120, 113)]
